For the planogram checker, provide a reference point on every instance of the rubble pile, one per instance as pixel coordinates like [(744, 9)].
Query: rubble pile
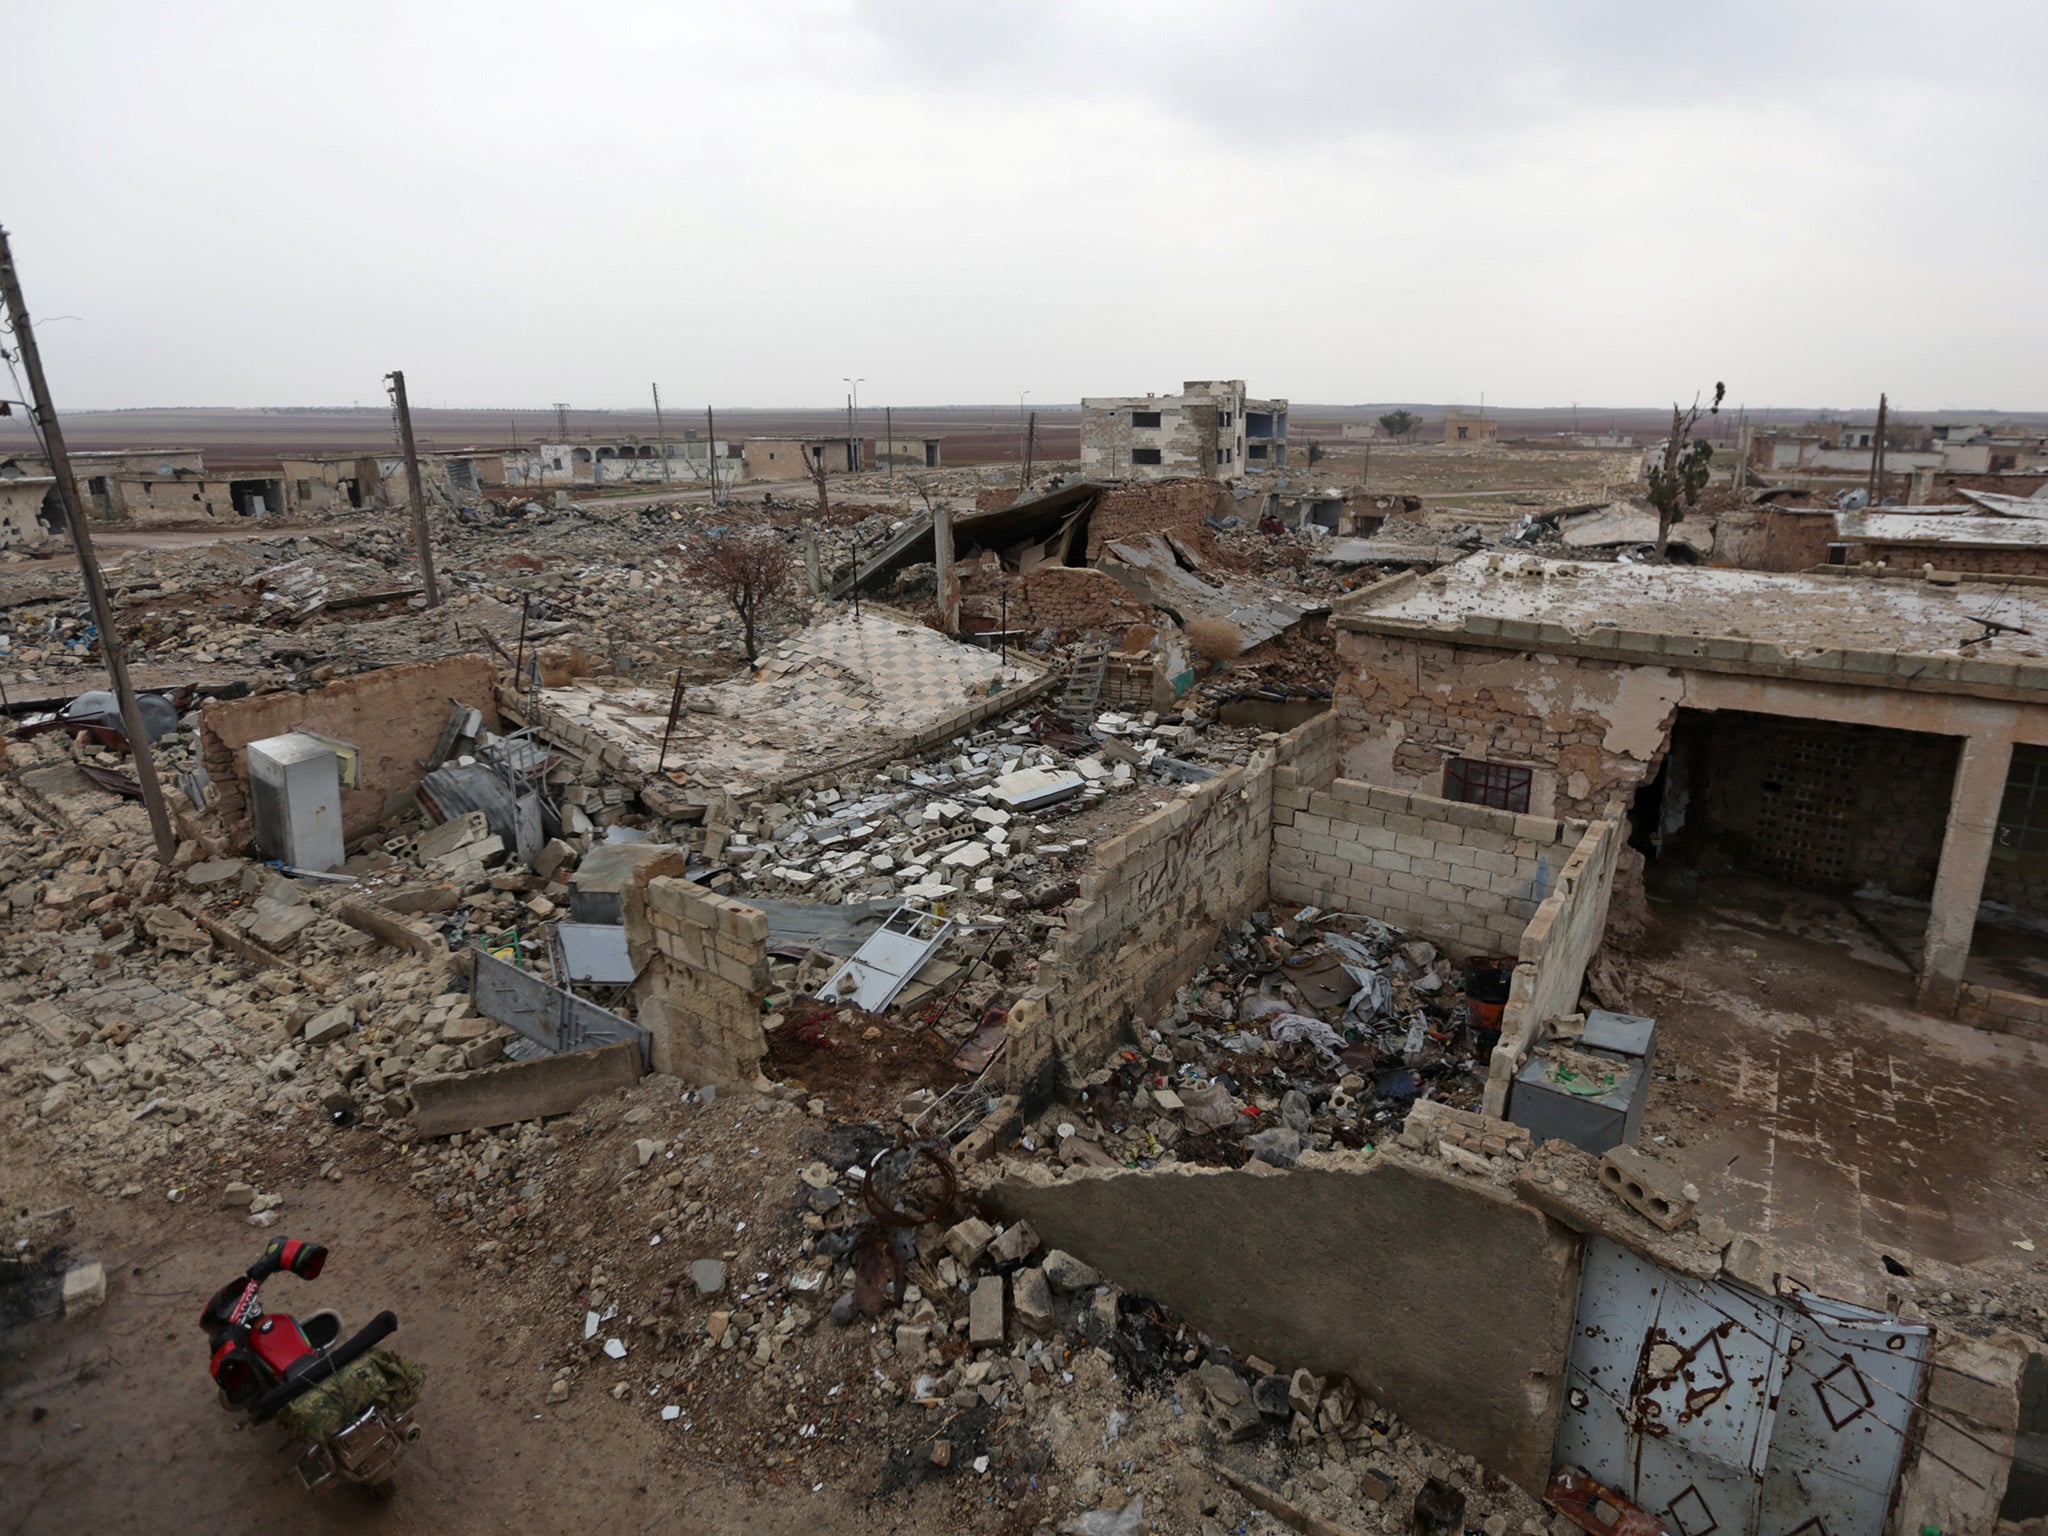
[(713, 1262), (1306, 1034)]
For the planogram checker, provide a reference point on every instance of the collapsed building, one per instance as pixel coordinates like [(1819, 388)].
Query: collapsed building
[(1211, 428), (1273, 1085)]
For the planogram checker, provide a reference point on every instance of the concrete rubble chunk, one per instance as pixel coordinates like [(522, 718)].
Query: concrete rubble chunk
[(330, 1025), (1304, 1392), (85, 1287), (708, 1276), (1270, 1396), (985, 1313), (969, 1240), (645, 1152), (238, 1194), (1031, 1297), (1014, 1244), (214, 872), (1066, 1273)]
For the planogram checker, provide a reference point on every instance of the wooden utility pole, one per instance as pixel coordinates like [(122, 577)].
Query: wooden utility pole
[(1877, 457), (660, 437), (88, 563), (413, 488), (1030, 451)]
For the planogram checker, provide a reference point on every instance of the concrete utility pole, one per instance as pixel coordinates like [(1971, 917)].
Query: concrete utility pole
[(88, 563), (1877, 457), (660, 437), (889, 439), (711, 451), (1030, 452), (414, 489), (853, 453)]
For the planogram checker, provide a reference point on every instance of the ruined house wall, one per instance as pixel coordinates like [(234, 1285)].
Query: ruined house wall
[(1987, 562), (179, 500), (21, 505), (1466, 876), (1179, 507), (1150, 910), (394, 715), (1062, 597), (1186, 437), (1937, 488), (1553, 953), (700, 995), (1446, 1300), (1591, 730), (1767, 538)]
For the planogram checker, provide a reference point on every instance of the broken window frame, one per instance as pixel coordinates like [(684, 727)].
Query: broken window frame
[(1478, 781), (1146, 456), (1145, 419)]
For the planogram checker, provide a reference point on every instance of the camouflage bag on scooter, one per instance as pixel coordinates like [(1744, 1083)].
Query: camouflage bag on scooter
[(382, 1377)]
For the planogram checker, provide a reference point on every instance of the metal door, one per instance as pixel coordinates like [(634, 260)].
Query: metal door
[(1851, 1380), (1670, 1391)]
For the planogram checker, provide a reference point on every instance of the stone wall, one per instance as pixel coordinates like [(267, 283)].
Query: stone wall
[(2004, 1013), (1466, 876), (1553, 953), (1446, 1300), (701, 991), (1768, 538), (394, 715)]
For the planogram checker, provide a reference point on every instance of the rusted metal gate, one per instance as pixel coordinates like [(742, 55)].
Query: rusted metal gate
[(1727, 1413), (553, 1019)]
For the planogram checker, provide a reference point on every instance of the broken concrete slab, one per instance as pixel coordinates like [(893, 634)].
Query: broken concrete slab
[(521, 1090), (985, 1313), (1258, 1259), (1031, 1300)]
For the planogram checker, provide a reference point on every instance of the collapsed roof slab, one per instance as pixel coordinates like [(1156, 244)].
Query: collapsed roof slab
[(838, 691)]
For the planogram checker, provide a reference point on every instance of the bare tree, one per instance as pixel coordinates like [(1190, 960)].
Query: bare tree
[(814, 462), (748, 568), (1677, 480)]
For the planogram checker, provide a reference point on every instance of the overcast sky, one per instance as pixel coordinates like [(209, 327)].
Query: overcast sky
[(517, 203)]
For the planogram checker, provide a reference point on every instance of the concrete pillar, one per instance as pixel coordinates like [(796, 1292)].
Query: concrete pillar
[(811, 556), (1965, 851), (949, 580)]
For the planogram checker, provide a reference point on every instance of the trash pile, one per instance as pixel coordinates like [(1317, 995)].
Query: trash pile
[(1301, 1033)]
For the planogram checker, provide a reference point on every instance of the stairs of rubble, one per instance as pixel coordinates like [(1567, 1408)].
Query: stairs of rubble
[(1084, 684)]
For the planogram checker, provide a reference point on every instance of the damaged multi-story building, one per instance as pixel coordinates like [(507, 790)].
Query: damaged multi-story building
[(1211, 428)]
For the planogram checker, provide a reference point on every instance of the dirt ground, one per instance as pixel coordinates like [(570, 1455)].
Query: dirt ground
[(108, 1423), (1812, 1103)]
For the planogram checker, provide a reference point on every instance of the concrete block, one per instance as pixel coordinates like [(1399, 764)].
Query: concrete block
[(1654, 1191), (85, 1287), (985, 1313)]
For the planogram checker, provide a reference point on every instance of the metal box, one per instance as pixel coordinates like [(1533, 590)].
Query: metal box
[(1551, 1111), (295, 801)]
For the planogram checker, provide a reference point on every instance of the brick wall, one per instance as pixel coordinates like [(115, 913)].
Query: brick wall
[(700, 995), (394, 715), (1179, 507), (1067, 598), (1988, 562), (1467, 877)]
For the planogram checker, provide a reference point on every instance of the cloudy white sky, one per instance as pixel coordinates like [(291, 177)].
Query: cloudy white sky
[(266, 204)]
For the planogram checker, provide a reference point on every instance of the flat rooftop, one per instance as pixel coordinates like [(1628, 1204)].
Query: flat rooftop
[(1859, 628), (1976, 530)]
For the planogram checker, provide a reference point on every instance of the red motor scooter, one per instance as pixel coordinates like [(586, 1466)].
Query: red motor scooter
[(348, 1402)]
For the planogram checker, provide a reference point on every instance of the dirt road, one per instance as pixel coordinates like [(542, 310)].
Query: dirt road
[(108, 1423)]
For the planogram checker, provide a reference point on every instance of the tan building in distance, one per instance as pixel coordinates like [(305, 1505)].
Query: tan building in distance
[(1462, 429)]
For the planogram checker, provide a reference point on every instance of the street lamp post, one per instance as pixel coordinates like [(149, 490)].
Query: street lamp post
[(853, 443)]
